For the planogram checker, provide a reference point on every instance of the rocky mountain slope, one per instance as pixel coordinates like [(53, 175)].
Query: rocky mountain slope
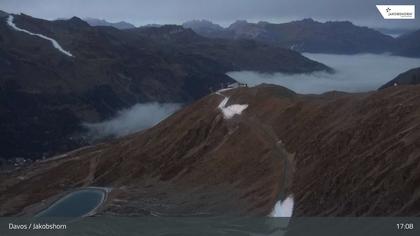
[(57, 74), (411, 77), (311, 36), (239, 151)]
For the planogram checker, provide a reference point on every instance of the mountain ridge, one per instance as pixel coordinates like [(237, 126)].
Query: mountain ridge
[(408, 44), (122, 25), (410, 77), (330, 152), (109, 70), (308, 35)]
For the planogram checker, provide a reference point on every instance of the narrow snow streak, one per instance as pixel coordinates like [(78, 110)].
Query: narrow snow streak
[(223, 90), (54, 43), (283, 208), (232, 110)]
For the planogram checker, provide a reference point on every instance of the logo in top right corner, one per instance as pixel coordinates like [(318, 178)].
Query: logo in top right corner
[(397, 12)]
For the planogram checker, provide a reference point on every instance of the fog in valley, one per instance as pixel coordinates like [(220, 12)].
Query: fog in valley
[(138, 117), (353, 73)]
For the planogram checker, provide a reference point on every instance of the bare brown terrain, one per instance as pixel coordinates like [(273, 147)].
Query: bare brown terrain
[(338, 154), (46, 96)]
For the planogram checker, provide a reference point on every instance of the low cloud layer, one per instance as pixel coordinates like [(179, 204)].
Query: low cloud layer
[(137, 118), (354, 73)]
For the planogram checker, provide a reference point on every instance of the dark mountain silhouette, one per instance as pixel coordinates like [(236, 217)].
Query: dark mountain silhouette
[(3, 14), (341, 37), (411, 77), (408, 45), (89, 73), (207, 29), (119, 25), (310, 36), (337, 154), (240, 54)]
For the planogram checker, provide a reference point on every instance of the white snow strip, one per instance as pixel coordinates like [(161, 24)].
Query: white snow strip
[(223, 90), (232, 110), (223, 103), (54, 43), (283, 208)]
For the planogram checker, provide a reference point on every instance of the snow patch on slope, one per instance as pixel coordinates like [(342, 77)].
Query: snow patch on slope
[(54, 43), (232, 110), (283, 208)]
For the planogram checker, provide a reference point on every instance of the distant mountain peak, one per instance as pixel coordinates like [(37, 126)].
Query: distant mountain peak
[(203, 27), (341, 23), (305, 21), (152, 25), (309, 35), (77, 21), (201, 24), (239, 23), (308, 20), (101, 22)]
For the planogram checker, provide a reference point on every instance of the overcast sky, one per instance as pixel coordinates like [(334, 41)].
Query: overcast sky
[(141, 12)]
